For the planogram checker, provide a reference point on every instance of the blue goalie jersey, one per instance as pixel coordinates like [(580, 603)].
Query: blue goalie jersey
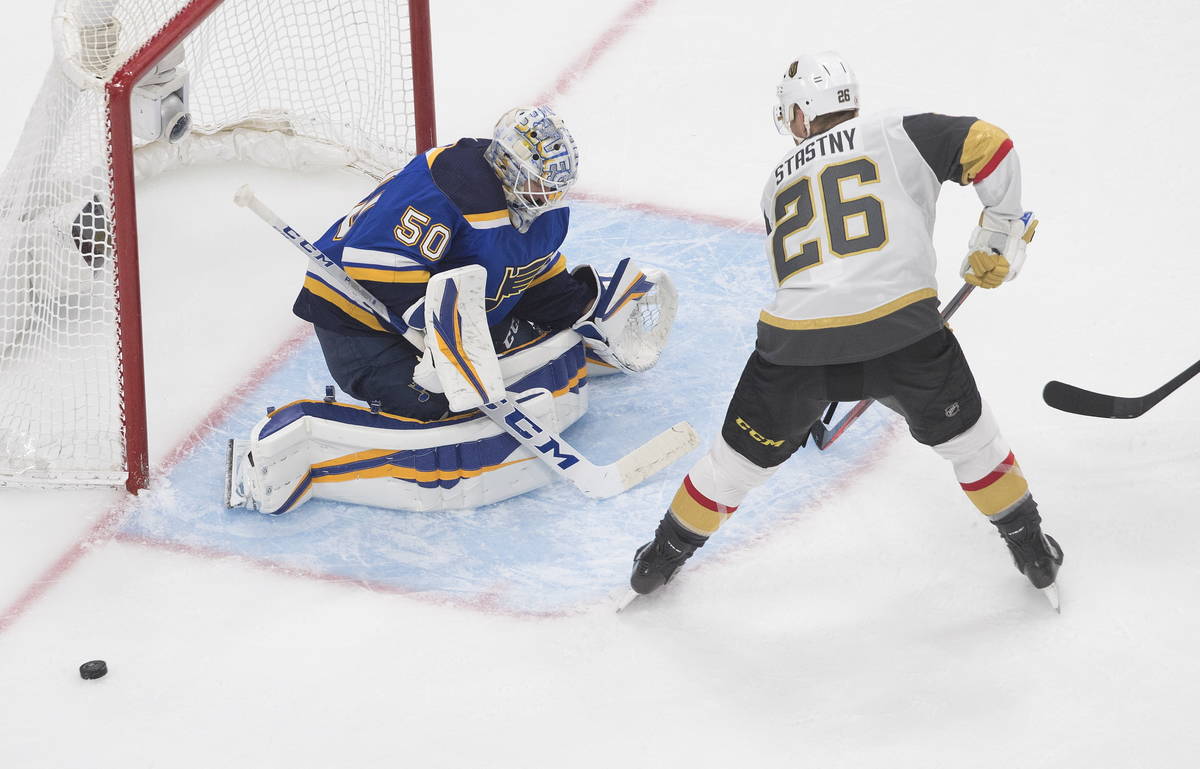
[(445, 209)]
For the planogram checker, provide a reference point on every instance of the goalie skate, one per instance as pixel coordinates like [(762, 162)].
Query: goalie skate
[(238, 476)]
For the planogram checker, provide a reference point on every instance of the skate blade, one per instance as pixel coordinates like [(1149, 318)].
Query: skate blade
[(1051, 593), (235, 450), (229, 475), (622, 598)]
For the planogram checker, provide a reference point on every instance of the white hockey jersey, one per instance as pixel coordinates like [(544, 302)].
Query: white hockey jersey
[(850, 216)]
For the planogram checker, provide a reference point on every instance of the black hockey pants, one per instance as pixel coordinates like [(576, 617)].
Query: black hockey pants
[(928, 383)]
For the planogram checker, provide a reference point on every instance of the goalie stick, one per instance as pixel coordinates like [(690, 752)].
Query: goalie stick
[(597, 481), (325, 268), (1076, 400), (824, 437)]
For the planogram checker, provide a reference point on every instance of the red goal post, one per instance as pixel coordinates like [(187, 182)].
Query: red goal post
[(296, 83)]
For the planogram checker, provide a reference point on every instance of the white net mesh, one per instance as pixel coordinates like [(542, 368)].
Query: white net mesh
[(282, 82)]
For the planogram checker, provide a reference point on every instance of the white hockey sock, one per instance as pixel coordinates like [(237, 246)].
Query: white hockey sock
[(714, 488), (985, 467)]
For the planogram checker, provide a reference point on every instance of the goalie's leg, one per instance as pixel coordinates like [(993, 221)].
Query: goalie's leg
[(380, 369), (767, 418)]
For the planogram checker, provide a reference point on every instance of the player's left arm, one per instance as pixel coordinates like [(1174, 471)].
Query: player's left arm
[(996, 250), (967, 150)]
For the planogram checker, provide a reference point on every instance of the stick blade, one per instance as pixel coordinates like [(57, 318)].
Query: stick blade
[(1075, 400), (644, 461)]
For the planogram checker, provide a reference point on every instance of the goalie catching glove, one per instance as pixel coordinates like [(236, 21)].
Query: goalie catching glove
[(625, 325), (996, 251), (628, 323)]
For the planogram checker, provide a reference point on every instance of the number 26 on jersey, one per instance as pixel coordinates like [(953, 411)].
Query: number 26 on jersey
[(853, 225)]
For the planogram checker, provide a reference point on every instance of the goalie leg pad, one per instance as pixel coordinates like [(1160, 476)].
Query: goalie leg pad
[(985, 467), (313, 449), (347, 453)]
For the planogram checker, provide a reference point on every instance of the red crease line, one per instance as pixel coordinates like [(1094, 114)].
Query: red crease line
[(111, 520)]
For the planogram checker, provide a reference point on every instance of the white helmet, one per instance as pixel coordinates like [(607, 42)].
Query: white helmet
[(819, 84), (535, 157)]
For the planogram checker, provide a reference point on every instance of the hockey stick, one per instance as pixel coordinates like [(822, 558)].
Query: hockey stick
[(326, 269), (825, 437), (597, 481), (1076, 400)]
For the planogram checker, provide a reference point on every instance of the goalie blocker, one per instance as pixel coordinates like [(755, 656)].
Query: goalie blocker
[(353, 454)]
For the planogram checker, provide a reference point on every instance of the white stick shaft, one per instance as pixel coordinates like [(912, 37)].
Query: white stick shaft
[(328, 269), (547, 446), (597, 481)]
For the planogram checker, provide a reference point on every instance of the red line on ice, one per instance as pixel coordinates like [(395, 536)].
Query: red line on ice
[(108, 523), (608, 38), (486, 602), (106, 527)]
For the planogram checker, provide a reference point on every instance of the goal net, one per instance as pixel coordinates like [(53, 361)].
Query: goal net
[(136, 87)]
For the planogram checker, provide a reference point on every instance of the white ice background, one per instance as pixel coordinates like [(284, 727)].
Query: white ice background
[(873, 620)]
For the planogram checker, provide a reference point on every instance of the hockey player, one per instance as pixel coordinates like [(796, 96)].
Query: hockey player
[(849, 214), (497, 203)]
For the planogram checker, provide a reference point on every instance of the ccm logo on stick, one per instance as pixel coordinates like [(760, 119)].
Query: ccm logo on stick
[(550, 448)]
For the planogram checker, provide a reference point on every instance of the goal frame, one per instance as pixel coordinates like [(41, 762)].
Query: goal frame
[(123, 210)]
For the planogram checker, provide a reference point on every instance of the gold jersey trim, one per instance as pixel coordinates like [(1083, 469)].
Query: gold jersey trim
[(488, 220), (841, 321), (983, 141), (432, 154), (318, 288), (388, 276), (559, 265)]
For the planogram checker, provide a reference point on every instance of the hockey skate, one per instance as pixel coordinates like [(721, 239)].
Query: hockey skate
[(1034, 553), (238, 476), (655, 563)]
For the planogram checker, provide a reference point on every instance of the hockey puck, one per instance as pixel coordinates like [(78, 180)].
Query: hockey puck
[(93, 669)]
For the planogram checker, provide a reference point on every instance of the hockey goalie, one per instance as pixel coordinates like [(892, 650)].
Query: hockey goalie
[(439, 295)]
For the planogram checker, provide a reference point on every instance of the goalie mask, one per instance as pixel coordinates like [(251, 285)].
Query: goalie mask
[(535, 157), (819, 84)]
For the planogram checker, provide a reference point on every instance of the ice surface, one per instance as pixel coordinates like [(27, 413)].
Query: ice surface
[(855, 613)]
